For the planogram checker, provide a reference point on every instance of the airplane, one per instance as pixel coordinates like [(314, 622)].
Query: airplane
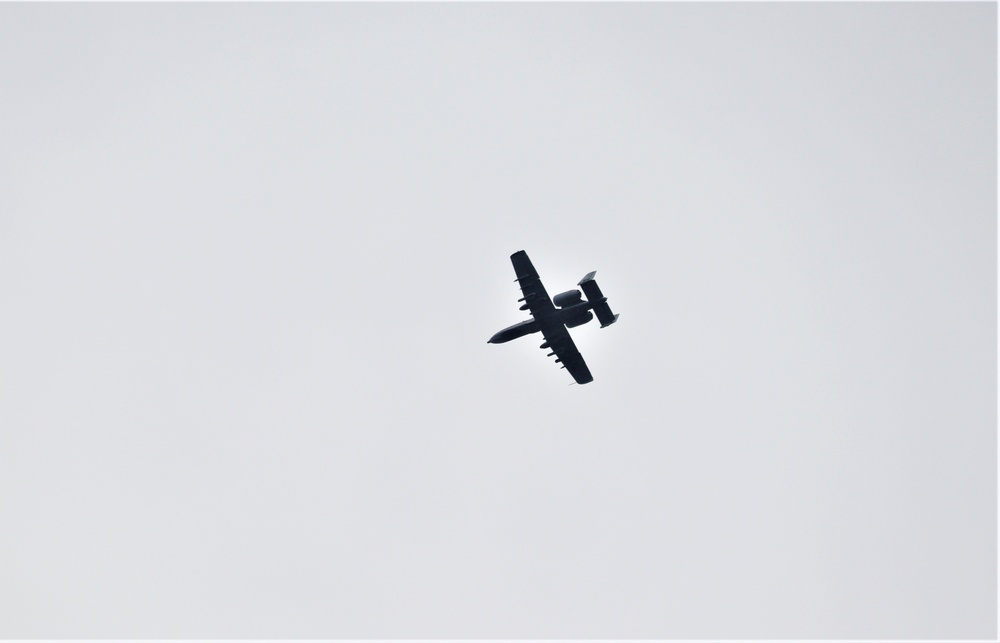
[(553, 316)]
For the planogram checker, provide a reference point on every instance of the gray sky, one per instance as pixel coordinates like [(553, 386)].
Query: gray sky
[(250, 256)]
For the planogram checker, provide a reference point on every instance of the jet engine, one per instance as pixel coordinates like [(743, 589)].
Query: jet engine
[(568, 298), (578, 318)]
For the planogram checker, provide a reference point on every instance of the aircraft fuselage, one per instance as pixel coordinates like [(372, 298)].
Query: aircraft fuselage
[(565, 316)]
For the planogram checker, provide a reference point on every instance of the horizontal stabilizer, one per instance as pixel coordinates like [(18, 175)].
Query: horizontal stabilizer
[(597, 300)]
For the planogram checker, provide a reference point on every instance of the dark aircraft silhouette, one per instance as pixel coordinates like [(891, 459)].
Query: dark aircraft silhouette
[(553, 316)]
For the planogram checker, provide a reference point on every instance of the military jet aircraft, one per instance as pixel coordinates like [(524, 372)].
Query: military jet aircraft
[(553, 316)]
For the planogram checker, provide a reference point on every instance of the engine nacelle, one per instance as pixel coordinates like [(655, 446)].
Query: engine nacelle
[(578, 319), (568, 298)]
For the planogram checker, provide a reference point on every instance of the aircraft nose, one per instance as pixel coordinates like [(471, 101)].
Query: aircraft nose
[(498, 338)]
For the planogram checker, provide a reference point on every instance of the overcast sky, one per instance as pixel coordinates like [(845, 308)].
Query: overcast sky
[(250, 256)]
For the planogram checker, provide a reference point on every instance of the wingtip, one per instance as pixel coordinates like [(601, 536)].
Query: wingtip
[(611, 322)]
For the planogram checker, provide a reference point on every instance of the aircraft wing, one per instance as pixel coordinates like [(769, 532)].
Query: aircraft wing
[(536, 300), (558, 339)]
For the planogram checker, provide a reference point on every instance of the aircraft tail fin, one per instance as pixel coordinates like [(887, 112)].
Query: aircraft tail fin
[(597, 300)]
